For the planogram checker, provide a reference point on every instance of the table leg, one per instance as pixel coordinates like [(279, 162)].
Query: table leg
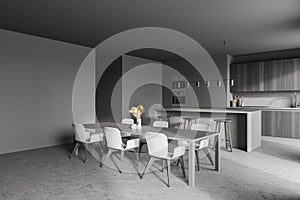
[(217, 153), (192, 163)]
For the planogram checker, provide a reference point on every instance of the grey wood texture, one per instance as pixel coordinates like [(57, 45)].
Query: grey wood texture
[(238, 74), (276, 75), (254, 76), (281, 124)]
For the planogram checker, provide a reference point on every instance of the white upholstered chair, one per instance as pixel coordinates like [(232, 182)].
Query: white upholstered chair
[(158, 150), (114, 143), (201, 145), (157, 124), (160, 124), (127, 121), (85, 136)]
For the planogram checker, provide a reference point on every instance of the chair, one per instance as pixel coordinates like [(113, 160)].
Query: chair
[(161, 124), (157, 124), (163, 118), (114, 143), (85, 136), (127, 121), (188, 121), (201, 145), (226, 122), (158, 150)]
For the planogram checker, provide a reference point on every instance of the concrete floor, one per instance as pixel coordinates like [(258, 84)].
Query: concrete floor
[(270, 172)]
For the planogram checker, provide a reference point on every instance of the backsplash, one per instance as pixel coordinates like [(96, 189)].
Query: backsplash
[(272, 99)]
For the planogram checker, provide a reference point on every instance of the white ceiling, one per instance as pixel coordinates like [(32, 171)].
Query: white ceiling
[(248, 26)]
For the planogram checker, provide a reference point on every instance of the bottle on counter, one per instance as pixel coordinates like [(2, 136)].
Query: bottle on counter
[(238, 101), (234, 101), (241, 101)]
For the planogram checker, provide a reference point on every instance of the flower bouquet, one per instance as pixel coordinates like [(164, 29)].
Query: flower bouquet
[(137, 113)]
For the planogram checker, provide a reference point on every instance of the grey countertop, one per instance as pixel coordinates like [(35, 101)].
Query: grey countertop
[(212, 110), (245, 110), (266, 108)]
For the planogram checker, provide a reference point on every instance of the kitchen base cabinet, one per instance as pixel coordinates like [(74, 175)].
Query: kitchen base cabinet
[(245, 126), (281, 124)]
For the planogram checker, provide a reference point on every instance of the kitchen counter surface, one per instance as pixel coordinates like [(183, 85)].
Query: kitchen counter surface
[(266, 109), (245, 126), (211, 110)]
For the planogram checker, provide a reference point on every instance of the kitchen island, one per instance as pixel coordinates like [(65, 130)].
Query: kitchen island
[(245, 126)]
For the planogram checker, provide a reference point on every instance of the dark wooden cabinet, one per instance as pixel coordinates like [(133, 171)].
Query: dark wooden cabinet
[(281, 124), (277, 75), (238, 75), (290, 74), (254, 77), (247, 77), (282, 75), (273, 79)]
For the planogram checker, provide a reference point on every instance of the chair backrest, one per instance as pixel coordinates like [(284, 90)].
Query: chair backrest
[(200, 127), (113, 138), (80, 134), (157, 144), (127, 121), (161, 124)]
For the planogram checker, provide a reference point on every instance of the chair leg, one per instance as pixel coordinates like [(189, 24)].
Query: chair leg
[(75, 149), (151, 160), (101, 150), (107, 155), (208, 155), (229, 135), (162, 166), (197, 160), (177, 162), (140, 147), (85, 153), (122, 159), (182, 165), (137, 157), (168, 172)]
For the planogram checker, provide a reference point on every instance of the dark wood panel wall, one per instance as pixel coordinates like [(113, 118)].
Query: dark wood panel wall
[(281, 124), (277, 75)]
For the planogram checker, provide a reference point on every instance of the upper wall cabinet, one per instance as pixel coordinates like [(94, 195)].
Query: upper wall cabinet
[(238, 74), (273, 75), (254, 76), (282, 75), (277, 75), (247, 77)]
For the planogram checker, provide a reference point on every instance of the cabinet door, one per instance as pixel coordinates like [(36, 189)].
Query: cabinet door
[(281, 124), (273, 75), (238, 75), (298, 73), (254, 76), (290, 74), (270, 123)]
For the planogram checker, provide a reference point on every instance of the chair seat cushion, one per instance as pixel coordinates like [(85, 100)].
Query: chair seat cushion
[(97, 137)]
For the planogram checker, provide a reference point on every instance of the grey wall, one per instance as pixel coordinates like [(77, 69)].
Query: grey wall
[(141, 84), (105, 87), (113, 96), (83, 99), (201, 97), (36, 83)]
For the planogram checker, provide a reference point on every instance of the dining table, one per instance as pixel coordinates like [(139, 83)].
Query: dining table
[(191, 136)]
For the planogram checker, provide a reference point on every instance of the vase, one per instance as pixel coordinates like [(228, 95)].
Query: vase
[(139, 123)]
